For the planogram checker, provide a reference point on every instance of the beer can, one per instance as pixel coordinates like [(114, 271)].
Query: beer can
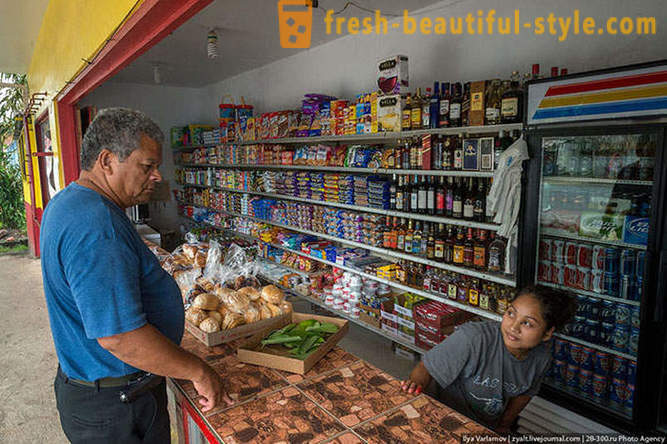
[(608, 311), (598, 259), (601, 363), (586, 382), (583, 306), (599, 391), (560, 368), (597, 281), (592, 331), (575, 354), (584, 255), (578, 327), (611, 260), (619, 367), (571, 250), (635, 316), (561, 349), (617, 393), (558, 273), (628, 262), (628, 288), (545, 249), (595, 308), (621, 338), (587, 358), (544, 271), (572, 377), (606, 337), (622, 314), (611, 284), (558, 251), (583, 278), (571, 276), (633, 341), (639, 265), (629, 397), (639, 290), (632, 372)]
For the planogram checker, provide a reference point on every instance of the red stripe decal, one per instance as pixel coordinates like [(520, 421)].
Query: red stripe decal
[(597, 85)]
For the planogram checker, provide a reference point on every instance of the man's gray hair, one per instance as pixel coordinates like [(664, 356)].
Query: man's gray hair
[(119, 130)]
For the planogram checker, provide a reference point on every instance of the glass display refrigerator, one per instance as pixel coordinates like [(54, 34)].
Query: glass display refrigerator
[(593, 220)]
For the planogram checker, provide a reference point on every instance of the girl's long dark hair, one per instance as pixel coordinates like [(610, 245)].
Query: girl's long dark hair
[(558, 307)]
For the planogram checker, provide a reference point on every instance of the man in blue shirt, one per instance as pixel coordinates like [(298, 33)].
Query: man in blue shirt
[(115, 314)]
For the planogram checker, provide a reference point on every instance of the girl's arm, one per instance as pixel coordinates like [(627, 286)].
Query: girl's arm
[(514, 407), (419, 378)]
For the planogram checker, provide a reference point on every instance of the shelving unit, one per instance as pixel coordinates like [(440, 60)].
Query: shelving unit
[(561, 387), (556, 233), (414, 216), (589, 293), (596, 346), (595, 181), (390, 253)]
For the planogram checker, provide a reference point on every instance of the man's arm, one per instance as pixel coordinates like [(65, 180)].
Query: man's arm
[(514, 407), (148, 349)]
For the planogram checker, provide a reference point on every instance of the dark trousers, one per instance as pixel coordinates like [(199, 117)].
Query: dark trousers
[(92, 415)]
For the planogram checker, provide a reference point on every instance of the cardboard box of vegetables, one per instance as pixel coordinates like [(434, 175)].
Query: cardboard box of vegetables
[(297, 345)]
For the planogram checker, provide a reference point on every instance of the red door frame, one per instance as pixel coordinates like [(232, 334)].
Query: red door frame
[(150, 23), (33, 215)]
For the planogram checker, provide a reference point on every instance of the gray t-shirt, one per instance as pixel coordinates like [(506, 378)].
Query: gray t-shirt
[(478, 375)]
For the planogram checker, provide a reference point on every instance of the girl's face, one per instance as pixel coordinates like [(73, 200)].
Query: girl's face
[(523, 326)]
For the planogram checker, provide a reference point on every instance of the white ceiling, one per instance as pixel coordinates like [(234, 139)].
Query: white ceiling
[(19, 26), (247, 39)]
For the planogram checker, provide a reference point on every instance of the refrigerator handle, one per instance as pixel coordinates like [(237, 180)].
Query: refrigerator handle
[(661, 288)]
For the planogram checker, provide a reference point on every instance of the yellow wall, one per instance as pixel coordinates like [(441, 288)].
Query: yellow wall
[(71, 30)]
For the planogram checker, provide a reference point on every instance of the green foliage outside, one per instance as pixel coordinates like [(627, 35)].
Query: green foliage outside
[(12, 210)]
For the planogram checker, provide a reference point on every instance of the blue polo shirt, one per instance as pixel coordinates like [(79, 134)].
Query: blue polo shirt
[(100, 280)]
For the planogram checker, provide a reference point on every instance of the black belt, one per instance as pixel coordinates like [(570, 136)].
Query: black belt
[(120, 381), (135, 384)]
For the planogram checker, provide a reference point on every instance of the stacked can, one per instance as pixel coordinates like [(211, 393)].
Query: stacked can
[(596, 375), (565, 263), (617, 272)]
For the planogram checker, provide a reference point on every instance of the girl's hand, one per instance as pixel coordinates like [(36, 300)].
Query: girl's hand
[(409, 386)]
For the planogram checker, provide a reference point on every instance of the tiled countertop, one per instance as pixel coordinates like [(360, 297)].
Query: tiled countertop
[(342, 399)]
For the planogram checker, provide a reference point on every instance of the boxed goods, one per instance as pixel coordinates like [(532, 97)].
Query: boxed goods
[(392, 75), (389, 111), (477, 108)]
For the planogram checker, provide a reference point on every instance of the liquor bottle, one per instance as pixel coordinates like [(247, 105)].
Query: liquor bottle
[(398, 199), (465, 105), (406, 115), (502, 301), (473, 292), (449, 198), (440, 197), (554, 71), (400, 272), (447, 154), (426, 109), (430, 197), (457, 208), (469, 201), (536, 71), (436, 151), (468, 250), (426, 284), (417, 239), (455, 105), (479, 204), (386, 235), (479, 260), (422, 196), (511, 106), (452, 286), (400, 236), (459, 247), (393, 242), (414, 152), (416, 111), (457, 149), (445, 98), (405, 155), (434, 107), (414, 196), (392, 193), (398, 153), (484, 296), (439, 244), (492, 101), (430, 241), (563, 72), (450, 241), (462, 290), (408, 237), (496, 261)]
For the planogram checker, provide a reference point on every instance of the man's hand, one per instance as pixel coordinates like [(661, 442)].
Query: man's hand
[(210, 387)]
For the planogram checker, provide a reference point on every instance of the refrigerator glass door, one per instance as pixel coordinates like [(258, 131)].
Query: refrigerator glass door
[(595, 203)]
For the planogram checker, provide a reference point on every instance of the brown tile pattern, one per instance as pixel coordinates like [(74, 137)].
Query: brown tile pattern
[(196, 347), (424, 420), (356, 393), (284, 416), (336, 358), (346, 438), (245, 381)]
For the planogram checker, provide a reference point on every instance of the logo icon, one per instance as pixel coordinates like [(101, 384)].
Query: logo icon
[(295, 19)]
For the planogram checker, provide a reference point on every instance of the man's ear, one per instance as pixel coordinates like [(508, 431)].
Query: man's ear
[(548, 334), (105, 160)]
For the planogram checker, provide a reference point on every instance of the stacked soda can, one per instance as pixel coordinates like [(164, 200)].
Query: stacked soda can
[(565, 263), (618, 272), (604, 378)]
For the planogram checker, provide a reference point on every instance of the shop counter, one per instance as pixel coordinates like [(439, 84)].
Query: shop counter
[(342, 399)]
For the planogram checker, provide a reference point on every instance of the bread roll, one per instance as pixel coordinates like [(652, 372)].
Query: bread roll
[(264, 312), (224, 294), (190, 251), (215, 315), (251, 314), (209, 325), (195, 315), (252, 293), (232, 320), (238, 303), (285, 307), (200, 258), (275, 310), (272, 294), (206, 301), (205, 284), (222, 309)]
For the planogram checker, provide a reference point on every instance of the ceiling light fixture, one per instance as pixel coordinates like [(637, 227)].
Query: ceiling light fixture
[(212, 44)]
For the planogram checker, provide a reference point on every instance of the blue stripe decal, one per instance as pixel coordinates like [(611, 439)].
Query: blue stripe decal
[(608, 108)]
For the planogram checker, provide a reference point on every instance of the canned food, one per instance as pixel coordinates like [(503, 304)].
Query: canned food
[(599, 391), (619, 367), (611, 284), (598, 258), (575, 354), (584, 255), (592, 331), (586, 382), (617, 393), (571, 276), (628, 262), (578, 327), (583, 306), (587, 358), (561, 349), (558, 251), (622, 314), (621, 338), (571, 250), (608, 311), (628, 288), (597, 281), (606, 337), (611, 260), (601, 363), (583, 278), (572, 377), (557, 273), (595, 308)]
